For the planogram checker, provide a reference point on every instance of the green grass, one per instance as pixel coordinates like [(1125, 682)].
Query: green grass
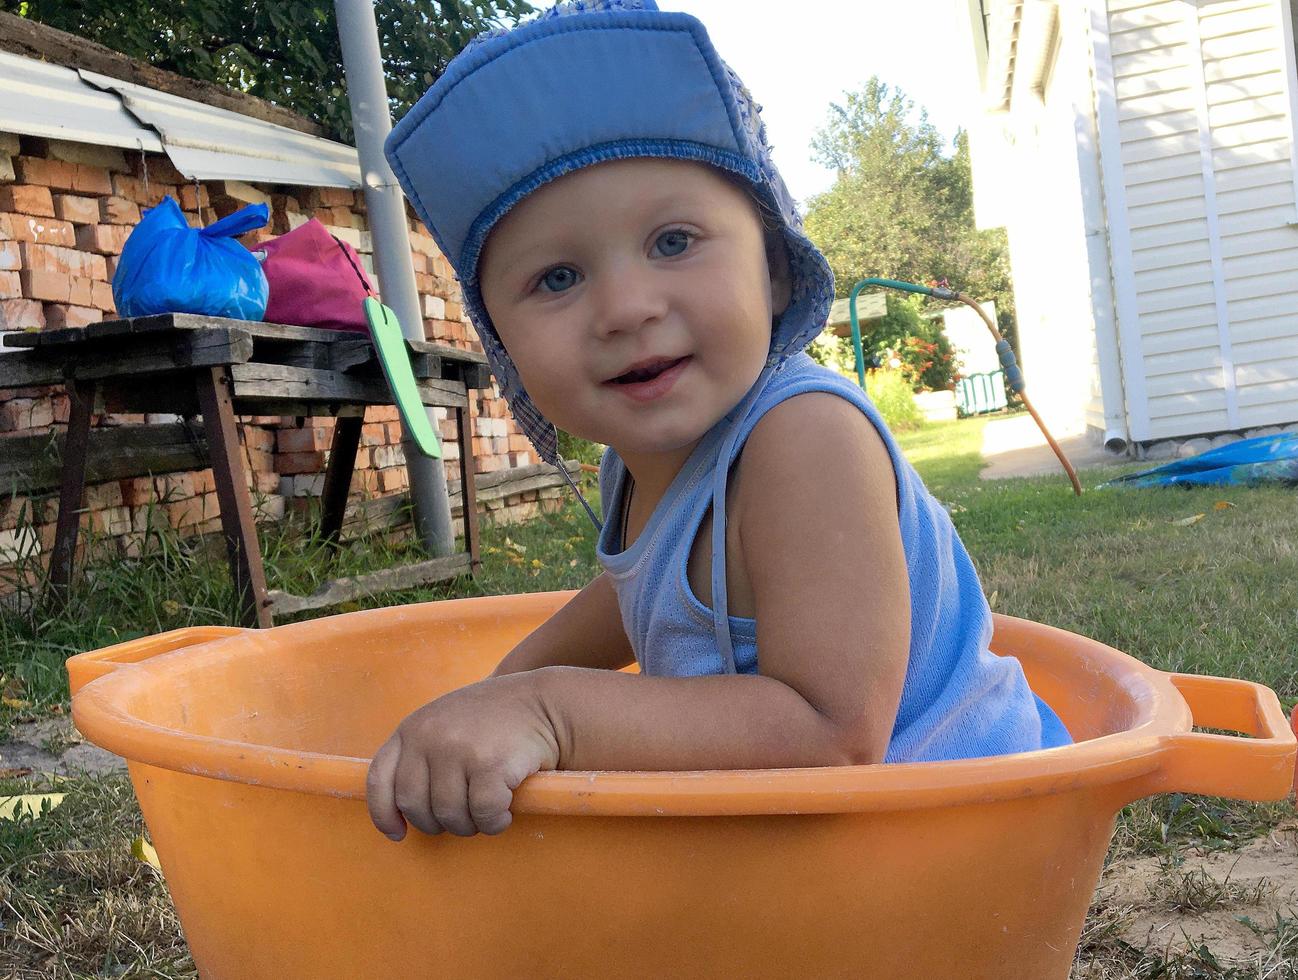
[(186, 583), (74, 901), (1214, 596)]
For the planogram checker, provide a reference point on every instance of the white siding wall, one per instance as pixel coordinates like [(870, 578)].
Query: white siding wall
[(1026, 169), (1204, 133)]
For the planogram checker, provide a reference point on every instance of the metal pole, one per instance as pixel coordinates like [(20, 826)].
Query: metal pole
[(386, 208)]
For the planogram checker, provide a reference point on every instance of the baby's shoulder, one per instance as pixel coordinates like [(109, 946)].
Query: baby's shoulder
[(818, 445), (812, 424)]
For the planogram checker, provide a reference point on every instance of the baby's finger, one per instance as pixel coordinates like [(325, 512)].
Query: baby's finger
[(412, 794), (450, 795), (489, 800), (380, 791)]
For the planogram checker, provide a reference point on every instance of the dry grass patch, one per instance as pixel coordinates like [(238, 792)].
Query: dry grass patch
[(1231, 914), (74, 902)]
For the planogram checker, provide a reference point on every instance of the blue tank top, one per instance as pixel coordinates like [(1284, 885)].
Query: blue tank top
[(958, 700)]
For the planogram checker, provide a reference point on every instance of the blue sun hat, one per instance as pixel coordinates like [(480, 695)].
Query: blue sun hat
[(582, 83)]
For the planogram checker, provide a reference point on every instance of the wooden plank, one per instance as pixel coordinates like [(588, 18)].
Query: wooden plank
[(475, 375), (352, 353), (164, 394), (517, 474), (58, 346), (131, 327), (293, 353), (237, 524), (502, 490), (300, 409), (196, 321), (202, 348), (447, 351), (269, 382), (19, 338), (280, 331), (41, 338), (468, 486), (28, 370), (388, 580), (269, 332), (103, 330), (31, 464), (338, 477)]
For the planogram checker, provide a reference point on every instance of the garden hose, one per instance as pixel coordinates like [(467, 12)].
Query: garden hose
[(1013, 373)]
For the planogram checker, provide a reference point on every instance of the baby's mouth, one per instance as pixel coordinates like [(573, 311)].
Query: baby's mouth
[(645, 371)]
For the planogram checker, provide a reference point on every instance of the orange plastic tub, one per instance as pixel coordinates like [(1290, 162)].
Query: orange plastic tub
[(248, 751)]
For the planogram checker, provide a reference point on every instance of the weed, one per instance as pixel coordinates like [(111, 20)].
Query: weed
[(1196, 891)]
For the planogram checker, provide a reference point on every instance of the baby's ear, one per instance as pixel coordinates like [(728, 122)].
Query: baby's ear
[(777, 261)]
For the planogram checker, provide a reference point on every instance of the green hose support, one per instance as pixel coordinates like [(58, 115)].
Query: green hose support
[(1013, 373), (905, 287)]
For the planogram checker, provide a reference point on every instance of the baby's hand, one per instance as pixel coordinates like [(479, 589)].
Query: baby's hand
[(454, 764)]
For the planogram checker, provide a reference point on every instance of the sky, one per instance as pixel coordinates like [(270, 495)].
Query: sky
[(913, 45)]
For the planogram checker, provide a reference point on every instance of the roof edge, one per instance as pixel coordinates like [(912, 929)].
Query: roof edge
[(31, 39)]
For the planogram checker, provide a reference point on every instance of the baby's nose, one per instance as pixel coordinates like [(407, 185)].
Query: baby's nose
[(629, 301)]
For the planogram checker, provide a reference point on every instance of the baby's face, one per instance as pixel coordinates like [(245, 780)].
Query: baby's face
[(636, 300)]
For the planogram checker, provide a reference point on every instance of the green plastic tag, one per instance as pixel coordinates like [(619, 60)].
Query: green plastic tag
[(385, 331)]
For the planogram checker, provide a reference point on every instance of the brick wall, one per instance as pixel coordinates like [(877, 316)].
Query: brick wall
[(66, 210)]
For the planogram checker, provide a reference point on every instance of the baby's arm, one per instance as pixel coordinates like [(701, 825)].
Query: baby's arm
[(816, 510), (586, 632), (817, 517)]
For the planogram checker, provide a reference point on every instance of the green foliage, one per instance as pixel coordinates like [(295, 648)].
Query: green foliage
[(890, 390), (582, 450), (285, 52), (927, 359), (902, 206), (897, 197), (891, 393), (929, 364)]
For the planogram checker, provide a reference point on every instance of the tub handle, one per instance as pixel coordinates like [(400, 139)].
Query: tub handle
[(1293, 723), (86, 667), (1257, 768)]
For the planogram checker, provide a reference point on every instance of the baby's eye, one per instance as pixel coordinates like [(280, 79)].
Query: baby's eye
[(672, 242), (559, 278)]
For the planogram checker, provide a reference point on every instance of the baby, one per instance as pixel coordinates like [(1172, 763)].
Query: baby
[(637, 273)]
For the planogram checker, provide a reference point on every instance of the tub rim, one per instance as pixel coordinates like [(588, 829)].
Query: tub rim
[(1140, 757)]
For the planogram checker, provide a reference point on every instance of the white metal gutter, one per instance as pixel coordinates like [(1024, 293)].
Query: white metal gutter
[(202, 141), (41, 99)]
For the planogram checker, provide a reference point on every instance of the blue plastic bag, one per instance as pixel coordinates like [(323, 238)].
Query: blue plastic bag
[(169, 267), (1248, 463)]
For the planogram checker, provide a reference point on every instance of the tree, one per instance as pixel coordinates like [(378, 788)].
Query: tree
[(901, 207), (284, 51)]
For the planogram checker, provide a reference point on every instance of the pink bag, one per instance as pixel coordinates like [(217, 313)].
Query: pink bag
[(315, 280)]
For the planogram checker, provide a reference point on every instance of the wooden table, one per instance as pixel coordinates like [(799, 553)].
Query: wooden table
[(187, 365)]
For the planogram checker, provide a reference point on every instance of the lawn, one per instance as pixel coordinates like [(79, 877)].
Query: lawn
[(1212, 595), (1132, 568)]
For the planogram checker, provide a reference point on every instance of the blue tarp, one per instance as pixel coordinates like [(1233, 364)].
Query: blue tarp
[(1249, 462)]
